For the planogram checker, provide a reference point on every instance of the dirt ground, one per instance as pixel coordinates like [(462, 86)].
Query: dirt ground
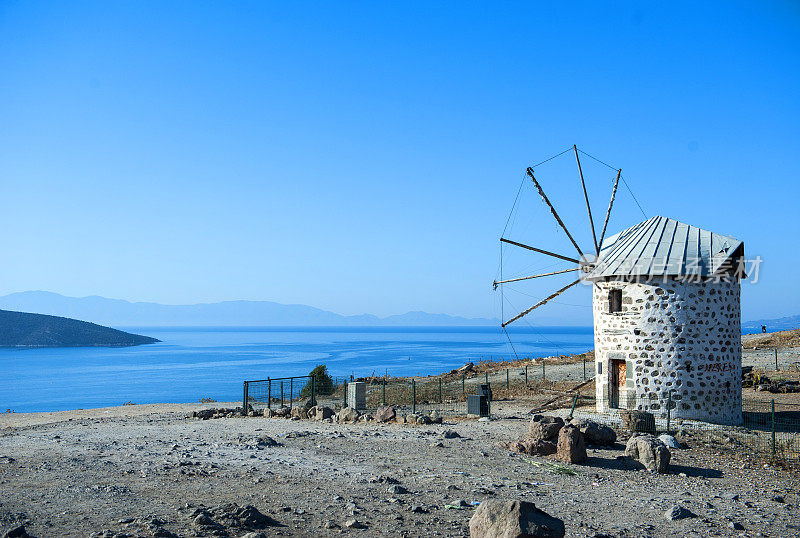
[(149, 470)]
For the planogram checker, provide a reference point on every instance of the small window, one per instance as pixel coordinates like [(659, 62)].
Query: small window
[(615, 301), (599, 368)]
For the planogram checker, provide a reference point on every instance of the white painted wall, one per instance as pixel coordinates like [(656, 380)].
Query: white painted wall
[(683, 337)]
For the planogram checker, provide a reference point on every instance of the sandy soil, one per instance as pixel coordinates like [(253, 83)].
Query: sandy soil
[(145, 470)]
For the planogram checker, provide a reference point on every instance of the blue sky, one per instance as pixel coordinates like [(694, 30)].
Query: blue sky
[(363, 157)]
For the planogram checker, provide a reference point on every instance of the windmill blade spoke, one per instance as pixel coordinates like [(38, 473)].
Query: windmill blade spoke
[(540, 251), (586, 197), (496, 282), (553, 211), (610, 203), (540, 303)]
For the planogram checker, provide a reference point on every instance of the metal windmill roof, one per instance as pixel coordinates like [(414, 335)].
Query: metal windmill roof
[(662, 246)]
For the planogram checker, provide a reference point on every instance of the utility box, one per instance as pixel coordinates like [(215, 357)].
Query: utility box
[(479, 404), (357, 395)]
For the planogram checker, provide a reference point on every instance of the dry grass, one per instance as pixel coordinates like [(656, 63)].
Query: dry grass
[(790, 338)]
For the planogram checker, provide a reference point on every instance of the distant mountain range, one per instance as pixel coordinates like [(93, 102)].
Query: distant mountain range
[(775, 324), (119, 313), (21, 329)]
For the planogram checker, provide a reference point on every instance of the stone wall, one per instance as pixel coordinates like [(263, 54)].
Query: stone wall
[(678, 336)]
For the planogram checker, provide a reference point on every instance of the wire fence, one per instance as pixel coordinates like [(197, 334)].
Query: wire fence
[(769, 428)]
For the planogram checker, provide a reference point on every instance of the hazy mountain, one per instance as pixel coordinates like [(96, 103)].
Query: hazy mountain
[(21, 329), (121, 313), (775, 324)]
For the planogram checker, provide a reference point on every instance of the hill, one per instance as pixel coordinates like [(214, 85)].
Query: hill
[(119, 313), (21, 329)]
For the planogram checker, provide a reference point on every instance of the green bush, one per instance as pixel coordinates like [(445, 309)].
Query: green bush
[(323, 382)]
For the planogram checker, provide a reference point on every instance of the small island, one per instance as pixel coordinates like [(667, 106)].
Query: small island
[(22, 329)]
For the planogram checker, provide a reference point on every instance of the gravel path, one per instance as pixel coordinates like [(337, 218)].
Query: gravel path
[(149, 470)]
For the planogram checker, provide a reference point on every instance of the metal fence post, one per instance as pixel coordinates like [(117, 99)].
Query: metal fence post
[(413, 396), (773, 426), (269, 393), (344, 395), (574, 403), (584, 367), (244, 399), (508, 380), (313, 391), (383, 395), (776, 360), (440, 390), (291, 391), (463, 385), (281, 393)]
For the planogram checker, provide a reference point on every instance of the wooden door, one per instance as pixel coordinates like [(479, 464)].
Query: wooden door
[(617, 381)]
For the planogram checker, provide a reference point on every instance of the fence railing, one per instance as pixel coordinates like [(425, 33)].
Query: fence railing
[(770, 428)]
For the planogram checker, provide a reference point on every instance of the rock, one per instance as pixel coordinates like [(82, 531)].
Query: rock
[(531, 447), (354, 524), (512, 519), (450, 434), (347, 415), (678, 512), (299, 412), (397, 490), (16, 532), (204, 520), (736, 526), (639, 421), (650, 452), (281, 412), (545, 428), (268, 413), (595, 433), (435, 417), (321, 412), (570, 447), (484, 419), (669, 440), (730, 496), (778, 499), (385, 414), (423, 419), (254, 535), (204, 414), (417, 509)]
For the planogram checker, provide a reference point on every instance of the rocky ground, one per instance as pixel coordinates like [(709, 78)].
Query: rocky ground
[(154, 472)]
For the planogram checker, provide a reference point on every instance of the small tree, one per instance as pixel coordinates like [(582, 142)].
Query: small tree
[(323, 383)]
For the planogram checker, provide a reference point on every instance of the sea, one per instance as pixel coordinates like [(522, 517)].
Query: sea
[(192, 363)]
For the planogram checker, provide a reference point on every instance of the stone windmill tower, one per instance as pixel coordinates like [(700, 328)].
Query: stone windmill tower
[(666, 309)]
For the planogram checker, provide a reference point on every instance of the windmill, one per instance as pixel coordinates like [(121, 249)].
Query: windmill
[(585, 260)]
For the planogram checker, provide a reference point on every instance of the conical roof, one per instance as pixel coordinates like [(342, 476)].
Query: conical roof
[(661, 246)]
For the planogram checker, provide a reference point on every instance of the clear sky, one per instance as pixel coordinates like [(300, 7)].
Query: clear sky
[(363, 157)]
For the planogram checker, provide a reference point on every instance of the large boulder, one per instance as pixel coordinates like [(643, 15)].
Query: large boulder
[(544, 427), (299, 412), (281, 412), (320, 412), (650, 451), (347, 415), (385, 414), (595, 433), (570, 447), (639, 421), (497, 518)]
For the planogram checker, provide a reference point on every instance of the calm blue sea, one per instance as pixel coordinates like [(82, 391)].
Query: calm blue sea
[(194, 363)]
